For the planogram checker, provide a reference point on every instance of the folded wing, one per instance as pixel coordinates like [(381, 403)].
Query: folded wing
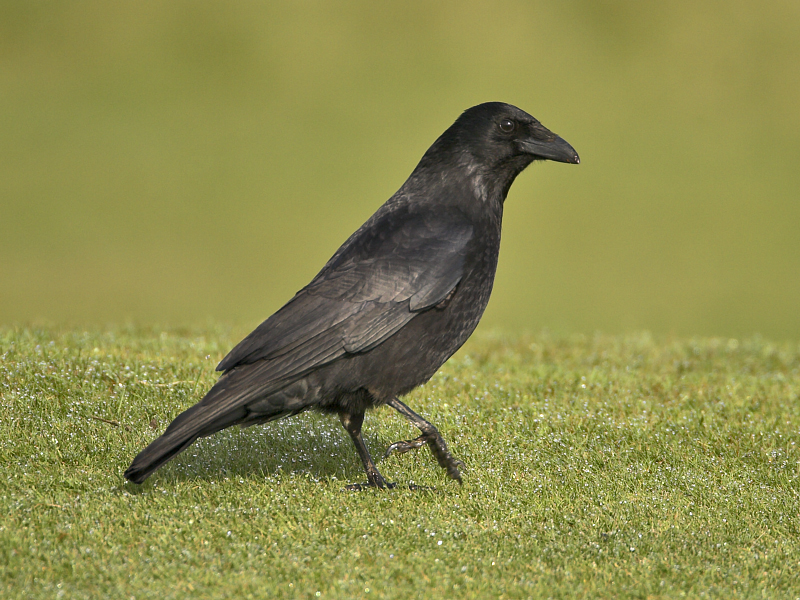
[(375, 284)]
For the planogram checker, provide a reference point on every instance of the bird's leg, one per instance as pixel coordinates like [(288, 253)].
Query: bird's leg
[(352, 424), (431, 436)]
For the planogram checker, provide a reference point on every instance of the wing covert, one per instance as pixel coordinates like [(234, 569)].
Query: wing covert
[(373, 286)]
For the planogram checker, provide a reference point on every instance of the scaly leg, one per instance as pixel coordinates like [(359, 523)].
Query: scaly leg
[(431, 436), (352, 424)]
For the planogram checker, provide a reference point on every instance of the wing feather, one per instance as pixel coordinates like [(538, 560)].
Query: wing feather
[(375, 284)]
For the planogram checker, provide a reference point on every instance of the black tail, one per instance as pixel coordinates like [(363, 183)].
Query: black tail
[(228, 402), (179, 435), (156, 454)]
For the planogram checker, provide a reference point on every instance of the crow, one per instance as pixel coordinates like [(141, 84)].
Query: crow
[(395, 301)]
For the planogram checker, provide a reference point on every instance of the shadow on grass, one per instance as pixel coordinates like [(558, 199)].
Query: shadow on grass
[(309, 443)]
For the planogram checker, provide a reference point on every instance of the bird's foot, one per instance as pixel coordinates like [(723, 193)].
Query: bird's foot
[(439, 449), (404, 446), (360, 487), (375, 480)]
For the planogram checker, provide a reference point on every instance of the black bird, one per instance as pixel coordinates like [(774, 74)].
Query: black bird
[(399, 297)]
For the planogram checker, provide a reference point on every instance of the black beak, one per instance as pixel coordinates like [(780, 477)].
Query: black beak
[(551, 147)]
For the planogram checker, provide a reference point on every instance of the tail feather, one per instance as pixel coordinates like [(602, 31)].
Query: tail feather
[(176, 439), (156, 454), (230, 401)]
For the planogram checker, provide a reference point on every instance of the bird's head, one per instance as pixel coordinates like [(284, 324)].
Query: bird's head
[(496, 132), (494, 142)]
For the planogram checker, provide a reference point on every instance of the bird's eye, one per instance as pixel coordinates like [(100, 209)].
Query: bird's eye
[(507, 125)]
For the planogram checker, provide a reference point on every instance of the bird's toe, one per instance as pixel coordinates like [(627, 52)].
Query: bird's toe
[(404, 446), (360, 487)]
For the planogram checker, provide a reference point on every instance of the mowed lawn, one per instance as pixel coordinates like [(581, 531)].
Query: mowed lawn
[(597, 466)]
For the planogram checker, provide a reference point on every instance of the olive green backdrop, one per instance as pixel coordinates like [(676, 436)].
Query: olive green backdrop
[(175, 162)]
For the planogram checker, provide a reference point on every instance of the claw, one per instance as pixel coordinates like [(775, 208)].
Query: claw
[(404, 446), (360, 487), (438, 449)]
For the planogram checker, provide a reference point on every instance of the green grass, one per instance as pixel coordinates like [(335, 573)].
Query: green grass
[(597, 467)]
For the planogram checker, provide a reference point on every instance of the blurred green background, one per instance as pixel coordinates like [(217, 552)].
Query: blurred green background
[(175, 162)]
